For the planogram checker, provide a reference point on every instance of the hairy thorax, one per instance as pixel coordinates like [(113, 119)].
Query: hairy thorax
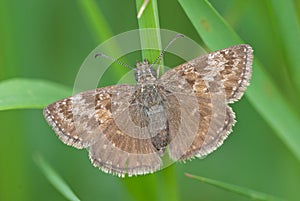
[(149, 95)]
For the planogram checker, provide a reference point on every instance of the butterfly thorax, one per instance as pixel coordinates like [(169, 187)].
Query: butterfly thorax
[(145, 73), (147, 88)]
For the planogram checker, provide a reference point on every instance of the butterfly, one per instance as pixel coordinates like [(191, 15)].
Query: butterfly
[(184, 113)]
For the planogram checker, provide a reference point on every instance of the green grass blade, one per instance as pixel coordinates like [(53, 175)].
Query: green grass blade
[(55, 179), (95, 19), (236, 189), (212, 28), (288, 28), (140, 186), (149, 38), (149, 19), (168, 184), (263, 93), (100, 29), (161, 185), (19, 93)]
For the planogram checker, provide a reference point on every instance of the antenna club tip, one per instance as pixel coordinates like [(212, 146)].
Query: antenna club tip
[(98, 55), (179, 35)]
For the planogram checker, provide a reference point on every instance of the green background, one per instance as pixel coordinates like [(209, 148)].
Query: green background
[(50, 39)]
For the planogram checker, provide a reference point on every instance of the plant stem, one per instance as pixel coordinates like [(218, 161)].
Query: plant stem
[(236, 189)]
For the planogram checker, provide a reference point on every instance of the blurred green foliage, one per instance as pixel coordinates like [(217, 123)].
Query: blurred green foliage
[(50, 39)]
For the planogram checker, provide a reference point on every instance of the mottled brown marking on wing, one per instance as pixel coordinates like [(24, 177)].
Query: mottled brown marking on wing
[(118, 151), (78, 129), (226, 71), (234, 64)]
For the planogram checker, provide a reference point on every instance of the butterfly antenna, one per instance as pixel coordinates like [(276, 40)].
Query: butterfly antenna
[(114, 60), (164, 50)]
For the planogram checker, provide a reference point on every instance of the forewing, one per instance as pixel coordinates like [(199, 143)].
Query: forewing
[(233, 64), (216, 79), (189, 109), (101, 121), (73, 119)]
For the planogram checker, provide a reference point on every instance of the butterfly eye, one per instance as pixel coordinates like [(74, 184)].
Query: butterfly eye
[(153, 72), (136, 76)]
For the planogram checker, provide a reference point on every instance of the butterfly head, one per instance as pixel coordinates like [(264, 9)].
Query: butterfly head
[(144, 72)]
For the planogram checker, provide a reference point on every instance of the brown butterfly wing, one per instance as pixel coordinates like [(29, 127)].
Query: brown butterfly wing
[(216, 79), (73, 119), (125, 146), (100, 120), (233, 64)]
